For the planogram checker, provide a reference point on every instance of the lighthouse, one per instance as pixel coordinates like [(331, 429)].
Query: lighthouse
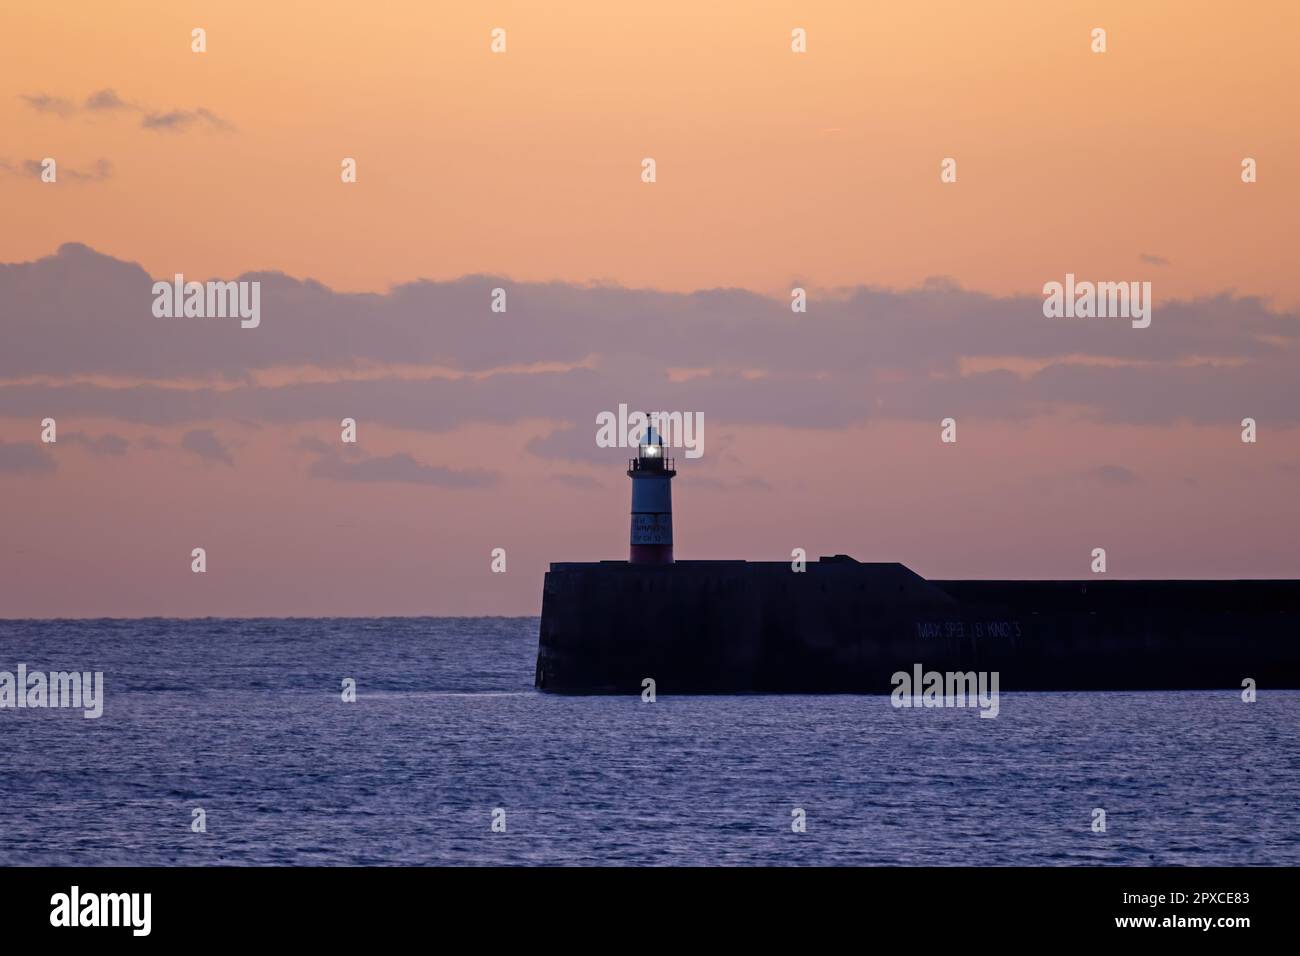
[(652, 501)]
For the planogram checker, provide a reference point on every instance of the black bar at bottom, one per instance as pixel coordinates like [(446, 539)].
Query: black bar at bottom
[(942, 905)]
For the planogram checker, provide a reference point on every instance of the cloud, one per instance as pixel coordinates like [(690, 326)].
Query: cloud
[(42, 103), (580, 482), (107, 444), (312, 444), (32, 169), (576, 443), (107, 101), (182, 119), (1112, 475), (25, 458), (315, 446), (1152, 259), (399, 467), (204, 443), (102, 170), (566, 352)]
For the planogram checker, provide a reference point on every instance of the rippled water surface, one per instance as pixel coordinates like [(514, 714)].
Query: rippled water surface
[(244, 719)]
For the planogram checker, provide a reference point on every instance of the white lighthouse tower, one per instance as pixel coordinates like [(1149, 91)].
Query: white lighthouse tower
[(652, 501)]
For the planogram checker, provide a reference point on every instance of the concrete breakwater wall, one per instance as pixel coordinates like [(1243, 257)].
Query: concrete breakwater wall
[(699, 627)]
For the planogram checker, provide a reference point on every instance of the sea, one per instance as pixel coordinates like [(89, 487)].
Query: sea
[(230, 742)]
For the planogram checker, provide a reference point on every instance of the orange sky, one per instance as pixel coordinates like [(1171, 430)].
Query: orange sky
[(774, 169), (772, 166)]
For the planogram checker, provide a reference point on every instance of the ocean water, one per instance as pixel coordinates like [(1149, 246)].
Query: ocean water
[(244, 719)]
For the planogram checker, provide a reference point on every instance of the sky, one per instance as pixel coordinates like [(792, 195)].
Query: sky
[(522, 171)]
